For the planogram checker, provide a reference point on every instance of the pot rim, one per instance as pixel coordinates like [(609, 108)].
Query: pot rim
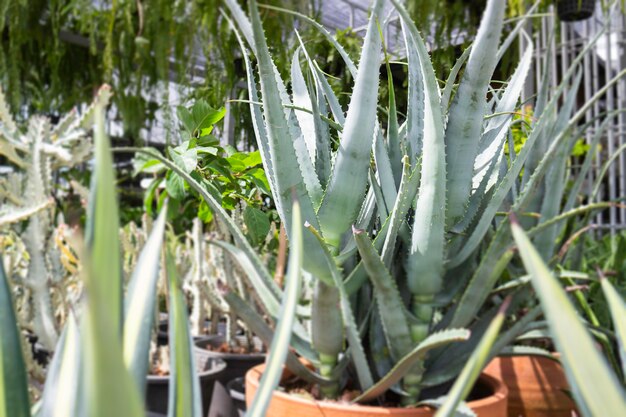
[(216, 370), (500, 392), (200, 342)]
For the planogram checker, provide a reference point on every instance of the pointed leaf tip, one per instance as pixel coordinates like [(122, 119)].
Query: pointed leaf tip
[(356, 230), (505, 305)]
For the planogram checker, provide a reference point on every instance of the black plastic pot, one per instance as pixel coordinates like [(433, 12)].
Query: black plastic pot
[(210, 369), (237, 392), (575, 10), (163, 335), (237, 363)]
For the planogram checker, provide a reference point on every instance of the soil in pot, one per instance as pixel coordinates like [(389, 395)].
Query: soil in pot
[(238, 361), (157, 390), (537, 386), (494, 404)]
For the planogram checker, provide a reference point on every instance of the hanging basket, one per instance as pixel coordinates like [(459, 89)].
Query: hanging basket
[(575, 10)]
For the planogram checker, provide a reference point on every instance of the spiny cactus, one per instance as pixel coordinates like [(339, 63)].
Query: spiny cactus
[(36, 153)]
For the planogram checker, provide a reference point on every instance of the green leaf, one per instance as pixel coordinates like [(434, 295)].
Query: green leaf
[(617, 306), (595, 388), (184, 389), (281, 341), (13, 380), (252, 159), (185, 156), (186, 119), (140, 303), (175, 186), (204, 212), (257, 223), (417, 355)]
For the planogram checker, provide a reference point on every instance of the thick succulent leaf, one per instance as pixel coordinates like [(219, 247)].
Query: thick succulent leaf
[(281, 340), (102, 230), (294, 173), (467, 109), (617, 306), (417, 355), (332, 99), (595, 388), (110, 389), (446, 94), (394, 144), (322, 30), (301, 98), (352, 332), (346, 189), (425, 259), (140, 303), (242, 22), (62, 389), (19, 214), (184, 385), (384, 170), (477, 361), (388, 299), (415, 98), (14, 400)]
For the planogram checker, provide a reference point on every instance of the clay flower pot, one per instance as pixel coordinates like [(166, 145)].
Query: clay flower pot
[(537, 386), (285, 405)]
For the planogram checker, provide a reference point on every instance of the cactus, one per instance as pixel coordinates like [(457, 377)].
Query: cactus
[(36, 154)]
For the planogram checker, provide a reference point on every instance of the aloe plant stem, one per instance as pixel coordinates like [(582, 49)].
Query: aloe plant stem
[(327, 333)]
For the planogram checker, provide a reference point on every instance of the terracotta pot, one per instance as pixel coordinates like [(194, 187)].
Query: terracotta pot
[(285, 405), (537, 386)]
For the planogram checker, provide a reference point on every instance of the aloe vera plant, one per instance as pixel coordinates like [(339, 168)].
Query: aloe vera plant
[(410, 243)]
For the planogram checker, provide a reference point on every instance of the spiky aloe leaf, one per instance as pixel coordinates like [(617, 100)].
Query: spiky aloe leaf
[(595, 388), (425, 260), (110, 388), (13, 380), (62, 390), (617, 306), (417, 355), (102, 230), (467, 110), (446, 94), (140, 302), (416, 98), (184, 387), (346, 189), (281, 341), (387, 296), (466, 380)]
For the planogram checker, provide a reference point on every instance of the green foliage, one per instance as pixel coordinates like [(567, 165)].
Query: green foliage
[(229, 175)]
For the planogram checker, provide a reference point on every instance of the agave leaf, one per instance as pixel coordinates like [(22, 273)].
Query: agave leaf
[(617, 306), (467, 110), (346, 188), (293, 170), (468, 376), (394, 144), (103, 227), (387, 298), (405, 364), (454, 72), (425, 261), (62, 389), (384, 170), (13, 380), (513, 35), (595, 388), (281, 340), (321, 29), (352, 332), (416, 98), (302, 99), (110, 388), (332, 99), (184, 387), (140, 303)]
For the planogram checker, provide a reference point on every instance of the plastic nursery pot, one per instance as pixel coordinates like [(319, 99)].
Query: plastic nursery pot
[(285, 405), (163, 334), (237, 363), (229, 400), (157, 387), (537, 386), (575, 10)]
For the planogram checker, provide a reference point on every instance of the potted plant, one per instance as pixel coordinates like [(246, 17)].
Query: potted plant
[(575, 10)]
